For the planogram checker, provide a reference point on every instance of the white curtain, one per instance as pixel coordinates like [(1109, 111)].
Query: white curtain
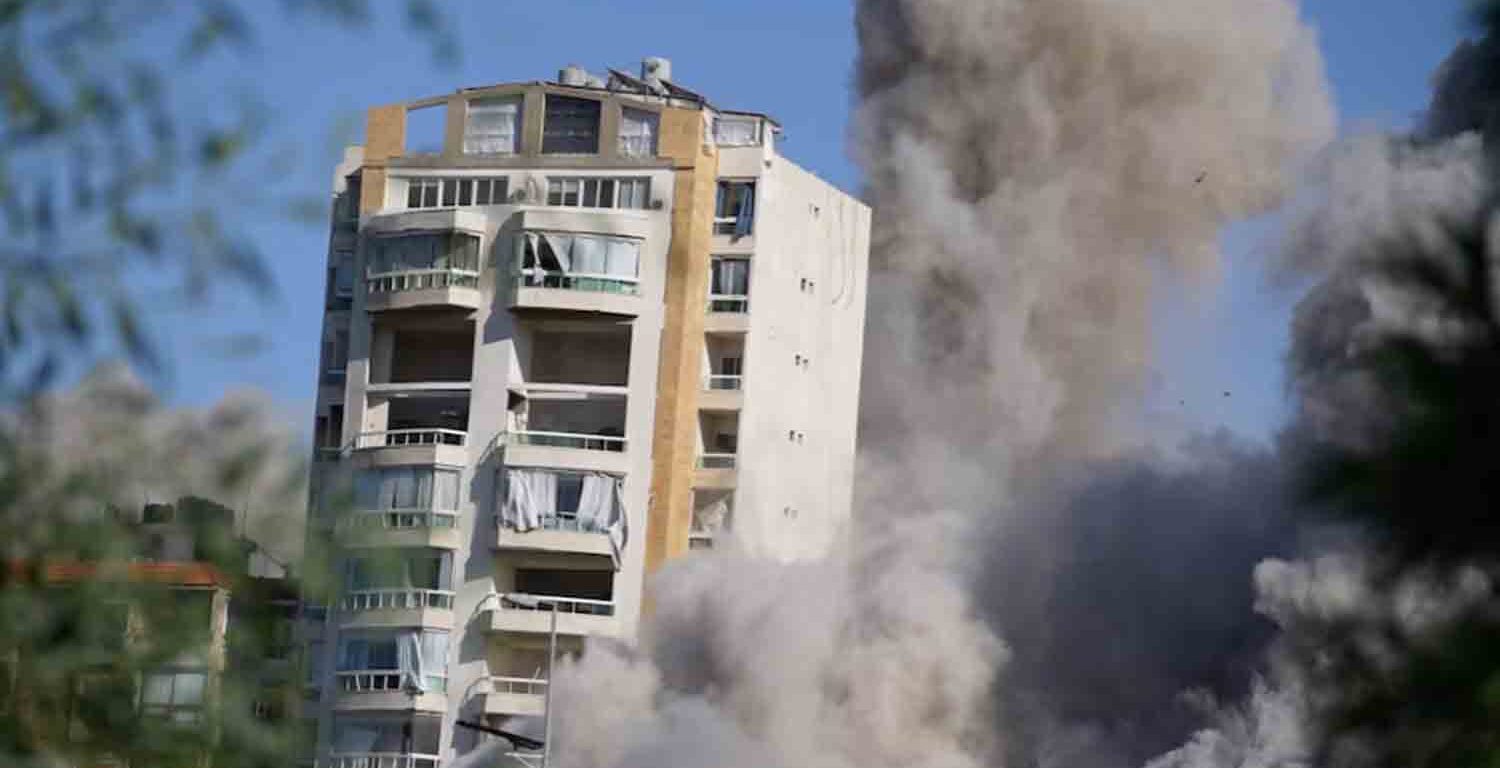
[(596, 505), (490, 127), (638, 133), (624, 257), (618, 525), (409, 661), (711, 518), (731, 277), (530, 495), (590, 255), (735, 131), (445, 491)]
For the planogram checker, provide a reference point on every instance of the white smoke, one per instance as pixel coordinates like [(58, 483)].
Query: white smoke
[(1031, 164)]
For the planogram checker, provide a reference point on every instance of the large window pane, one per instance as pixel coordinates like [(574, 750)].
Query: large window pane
[(491, 126), (570, 126), (638, 129)]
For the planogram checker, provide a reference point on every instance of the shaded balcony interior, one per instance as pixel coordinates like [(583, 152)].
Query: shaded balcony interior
[(567, 419), (394, 735), (587, 591), (713, 514), (592, 353), (422, 346), (414, 570), (724, 361), (414, 261), (415, 418), (719, 438), (578, 262)]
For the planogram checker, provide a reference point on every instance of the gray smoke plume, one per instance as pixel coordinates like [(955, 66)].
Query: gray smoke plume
[(1032, 163)]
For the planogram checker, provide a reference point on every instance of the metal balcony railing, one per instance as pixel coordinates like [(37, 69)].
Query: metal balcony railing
[(383, 760), (398, 520), (720, 302), (384, 681), (572, 605), (717, 461), (576, 281), (523, 686), (568, 440), (421, 279), (396, 599), (723, 382), (396, 438), (569, 524)]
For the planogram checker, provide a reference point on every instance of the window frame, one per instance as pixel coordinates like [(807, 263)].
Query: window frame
[(552, 133)]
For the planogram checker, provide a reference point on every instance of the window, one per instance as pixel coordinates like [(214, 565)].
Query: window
[(729, 284), (631, 193), (411, 656), (491, 126), (730, 366), (638, 129), (726, 442), (449, 250), (175, 696), (737, 131), (419, 569), (734, 210), (456, 192), (414, 488), (581, 262), (336, 352), (312, 664), (343, 275), (570, 126), (569, 493)]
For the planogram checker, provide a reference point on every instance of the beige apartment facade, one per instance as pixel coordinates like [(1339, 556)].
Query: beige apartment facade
[(575, 330)]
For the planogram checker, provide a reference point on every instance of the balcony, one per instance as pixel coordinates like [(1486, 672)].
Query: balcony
[(712, 513), (556, 534), (400, 528), (422, 288), (512, 696), (722, 392), (385, 690), (575, 616), (421, 445), (576, 272), (423, 269), (569, 426), (727, 314), (716, 471), (397, 608)]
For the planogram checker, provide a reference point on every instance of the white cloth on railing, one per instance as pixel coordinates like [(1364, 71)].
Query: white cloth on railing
[(530, 496), (596, 503), (618, 526), (409, 659)]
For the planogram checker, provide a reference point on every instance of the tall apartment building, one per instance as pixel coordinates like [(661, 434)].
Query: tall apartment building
[(585, 327)]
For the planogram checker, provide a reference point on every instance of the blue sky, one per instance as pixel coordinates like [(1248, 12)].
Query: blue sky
[(791, 58)]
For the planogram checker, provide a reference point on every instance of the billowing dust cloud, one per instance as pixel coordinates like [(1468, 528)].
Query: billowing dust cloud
[(1032, 164)]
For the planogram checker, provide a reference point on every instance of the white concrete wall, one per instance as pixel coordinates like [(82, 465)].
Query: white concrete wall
[(797, 427)]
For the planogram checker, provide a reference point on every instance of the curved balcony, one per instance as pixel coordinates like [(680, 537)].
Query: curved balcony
[(425, 445), (608, 294), (400, 528), (557, 534), (386, 689), (575, 616), (404, 289), (397, 608), (510, 696)]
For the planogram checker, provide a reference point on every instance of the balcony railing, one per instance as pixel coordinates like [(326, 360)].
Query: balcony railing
[(385, 681), (728, 303), (568, 440), (383, 599), (399, 520), (523, 686), (717, 461), (383, 760), (421, 279), (723, 382), (574, 281), (396, 438), (573, 605)]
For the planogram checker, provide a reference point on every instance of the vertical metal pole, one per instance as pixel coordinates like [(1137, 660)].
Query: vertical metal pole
[(547, 705)]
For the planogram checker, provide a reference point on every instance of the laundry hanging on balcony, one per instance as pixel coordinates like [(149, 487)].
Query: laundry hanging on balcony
[(533, 501)]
